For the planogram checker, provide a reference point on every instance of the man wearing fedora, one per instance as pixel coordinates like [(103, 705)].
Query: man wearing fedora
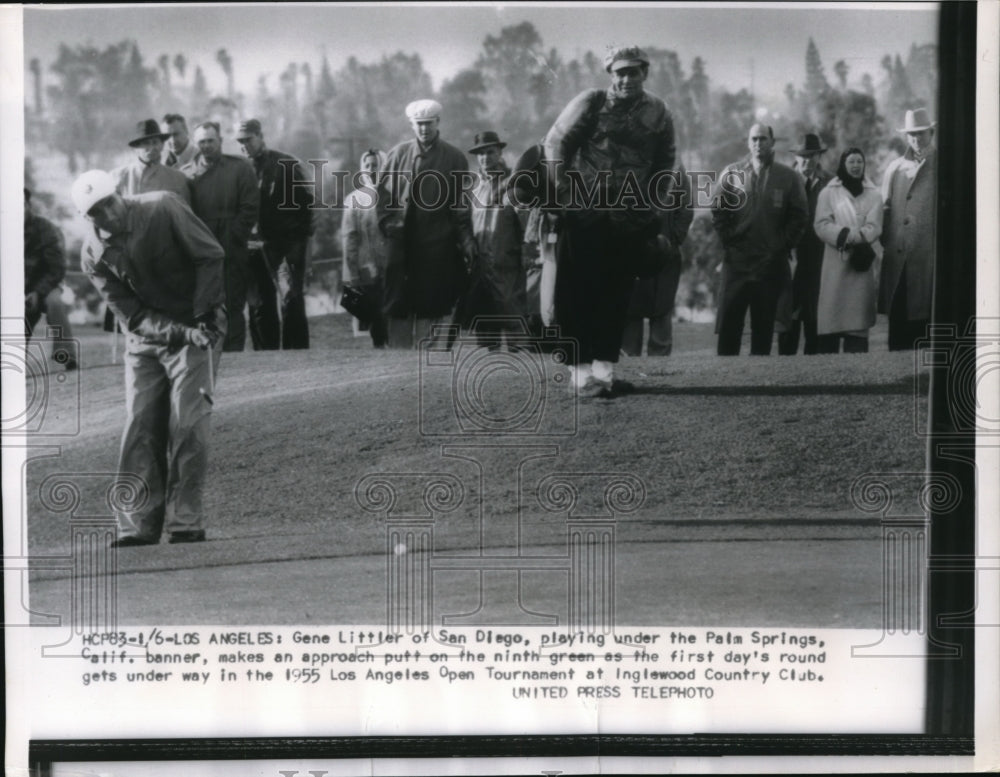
[(283, 229), (224, 195), (617, 144), (808, 255), (159, 269), (424, 214), (146, 173), (497, 285), (908, 237)]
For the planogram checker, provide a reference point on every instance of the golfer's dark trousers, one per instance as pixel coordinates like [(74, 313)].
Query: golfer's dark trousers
[(760, 295), (593, 286)]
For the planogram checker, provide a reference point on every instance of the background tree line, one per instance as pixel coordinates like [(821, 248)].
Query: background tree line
[(85, 104)]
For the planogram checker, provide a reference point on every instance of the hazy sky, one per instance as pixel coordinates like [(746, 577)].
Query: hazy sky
[(265, 38)]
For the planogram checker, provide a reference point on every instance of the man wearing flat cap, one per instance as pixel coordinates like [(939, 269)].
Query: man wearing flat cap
[(497, 284), (146, 173), (908, 237), (224, 195), (424, 213), (611, 147), (808, 255), (282, 232)]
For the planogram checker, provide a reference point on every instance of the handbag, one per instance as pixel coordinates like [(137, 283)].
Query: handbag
[(861, 257), (361, 302)]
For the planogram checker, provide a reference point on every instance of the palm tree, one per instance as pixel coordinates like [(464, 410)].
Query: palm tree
[(841, 69), (226, 63), (36, 76), (164, 63), (180, 65)]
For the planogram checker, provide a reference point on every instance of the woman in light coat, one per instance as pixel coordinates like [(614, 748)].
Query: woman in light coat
[(848, 213), (365, 248)]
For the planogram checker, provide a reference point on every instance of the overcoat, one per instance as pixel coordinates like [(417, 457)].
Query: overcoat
[(226, 198), (424, 213), (846, 296), (908, 235), (497, 284)]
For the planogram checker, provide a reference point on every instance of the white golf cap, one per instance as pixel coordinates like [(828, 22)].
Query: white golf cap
[(423, 110), (90, 188)]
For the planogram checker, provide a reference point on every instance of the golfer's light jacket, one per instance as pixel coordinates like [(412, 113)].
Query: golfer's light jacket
[(162, 272)]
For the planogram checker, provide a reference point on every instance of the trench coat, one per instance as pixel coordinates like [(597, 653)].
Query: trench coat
[(909, 236)]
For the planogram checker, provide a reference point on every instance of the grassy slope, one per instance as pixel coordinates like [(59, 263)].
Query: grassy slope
[(762, 440)]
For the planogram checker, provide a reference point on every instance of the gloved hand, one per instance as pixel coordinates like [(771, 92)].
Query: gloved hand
[(213, 335), (200, 338), (31, 302), (181, 336), (213, 324)]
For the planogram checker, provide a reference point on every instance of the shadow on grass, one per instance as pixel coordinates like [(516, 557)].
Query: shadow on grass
[(900, 388)]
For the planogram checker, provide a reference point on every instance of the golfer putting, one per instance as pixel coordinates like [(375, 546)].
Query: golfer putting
[(159, 269)]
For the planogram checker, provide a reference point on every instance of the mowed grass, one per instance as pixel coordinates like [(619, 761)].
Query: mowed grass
[(715, 442)]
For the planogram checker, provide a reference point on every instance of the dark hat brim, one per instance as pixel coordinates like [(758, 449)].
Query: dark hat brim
[(481, 146), (164, 136), (808, 151)]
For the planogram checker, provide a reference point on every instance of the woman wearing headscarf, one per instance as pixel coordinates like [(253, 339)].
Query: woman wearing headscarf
[(365, 248), (849, 222)]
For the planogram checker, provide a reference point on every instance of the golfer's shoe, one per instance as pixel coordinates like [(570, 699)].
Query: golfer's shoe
[(196, 535), (603, 389), (595, 389), (131, 542)]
